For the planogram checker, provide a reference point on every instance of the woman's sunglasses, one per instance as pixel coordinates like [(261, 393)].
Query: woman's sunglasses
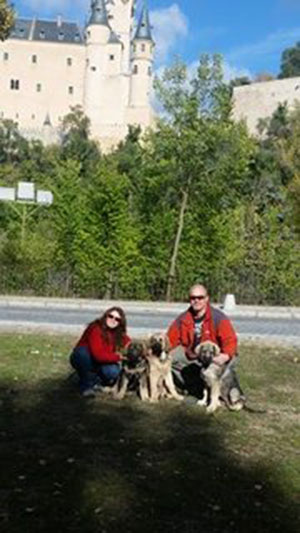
[(114, 317)]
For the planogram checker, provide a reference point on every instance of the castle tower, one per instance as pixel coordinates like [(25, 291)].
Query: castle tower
[(141, 62), (103, 67), (121, 18)]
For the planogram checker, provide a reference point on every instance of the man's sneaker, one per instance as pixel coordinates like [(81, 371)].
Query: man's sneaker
[(88, 393)]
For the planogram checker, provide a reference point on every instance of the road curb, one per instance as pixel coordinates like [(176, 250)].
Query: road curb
[(76, 330), (134, 306)]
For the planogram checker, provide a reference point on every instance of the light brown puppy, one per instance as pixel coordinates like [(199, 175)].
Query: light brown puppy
[(221, 381), (158, 382)]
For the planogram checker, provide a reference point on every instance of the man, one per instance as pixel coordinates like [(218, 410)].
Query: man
[(199, 323)]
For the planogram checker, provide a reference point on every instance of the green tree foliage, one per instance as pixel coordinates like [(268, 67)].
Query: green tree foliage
[(6, 19), (13, 147), (202, 155), (290, 62), (195, 199), (75, 140)]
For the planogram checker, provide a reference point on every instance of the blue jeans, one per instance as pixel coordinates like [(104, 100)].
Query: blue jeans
[(90, 371)]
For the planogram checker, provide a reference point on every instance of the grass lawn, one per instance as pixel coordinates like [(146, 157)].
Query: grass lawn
[(103, 466)]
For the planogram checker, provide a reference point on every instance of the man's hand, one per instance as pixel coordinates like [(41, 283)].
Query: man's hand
[(221, 359)]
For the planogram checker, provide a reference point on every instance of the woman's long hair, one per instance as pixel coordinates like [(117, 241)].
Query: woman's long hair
[(119, 331)]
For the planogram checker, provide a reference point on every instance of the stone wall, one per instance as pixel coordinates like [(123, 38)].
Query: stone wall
[(260, 100)]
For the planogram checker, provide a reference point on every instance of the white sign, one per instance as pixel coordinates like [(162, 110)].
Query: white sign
[(8, 194), (44, 197), (25, 191)]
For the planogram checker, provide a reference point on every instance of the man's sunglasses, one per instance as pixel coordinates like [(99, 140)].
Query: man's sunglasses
[(200, 297), (114, 317)]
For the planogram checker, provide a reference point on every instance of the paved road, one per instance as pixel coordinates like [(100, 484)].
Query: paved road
[(140, 321)]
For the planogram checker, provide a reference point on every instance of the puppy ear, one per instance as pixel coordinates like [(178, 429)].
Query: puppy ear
[(144, 348), (167, 344), (217, 349), (197, 350)]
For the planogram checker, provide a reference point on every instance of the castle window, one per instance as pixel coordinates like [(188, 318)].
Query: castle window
[(33, 117), (143, 47), (38, 87), (71, 89), (93, 69), (14, 85), (149, 71), (5, 56), (61, 36), (69, 61), (17, 115), (42, 34), (134, 47), (34, 59), (135, 69), (77, 37), (111, 57)]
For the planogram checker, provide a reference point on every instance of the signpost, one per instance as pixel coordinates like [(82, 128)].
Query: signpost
[(24, 200)]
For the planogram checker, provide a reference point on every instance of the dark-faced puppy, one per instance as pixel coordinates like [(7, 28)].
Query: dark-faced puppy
[(206, 351), (133, 366), (158, 381), (221, 381)]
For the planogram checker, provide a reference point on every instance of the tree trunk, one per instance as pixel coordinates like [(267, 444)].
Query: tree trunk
[(171, 276)]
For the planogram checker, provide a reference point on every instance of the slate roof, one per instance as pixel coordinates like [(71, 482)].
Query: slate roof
[(47, 30), (143, 30)]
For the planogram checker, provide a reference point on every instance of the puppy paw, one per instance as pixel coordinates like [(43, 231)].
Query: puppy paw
[(211, 408), (202, 402)]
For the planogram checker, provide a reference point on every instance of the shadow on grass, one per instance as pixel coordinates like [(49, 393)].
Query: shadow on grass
[(70, 465)]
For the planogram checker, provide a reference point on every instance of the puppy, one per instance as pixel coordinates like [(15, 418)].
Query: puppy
[(158, 380), (221, 381), (133, 367)]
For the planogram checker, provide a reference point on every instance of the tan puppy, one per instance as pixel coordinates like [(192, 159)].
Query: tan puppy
[(221, 381), (158, 380)]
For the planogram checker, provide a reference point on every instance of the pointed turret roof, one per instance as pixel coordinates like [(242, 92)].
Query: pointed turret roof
[(143, 30), (99, 13)]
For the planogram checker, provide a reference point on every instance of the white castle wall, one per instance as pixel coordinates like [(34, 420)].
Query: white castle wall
[(260, 100), (28, 106)]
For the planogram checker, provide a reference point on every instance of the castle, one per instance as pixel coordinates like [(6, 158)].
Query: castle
[(47, 67)]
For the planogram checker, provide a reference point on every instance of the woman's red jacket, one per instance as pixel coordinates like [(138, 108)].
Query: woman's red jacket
[(102, 350)]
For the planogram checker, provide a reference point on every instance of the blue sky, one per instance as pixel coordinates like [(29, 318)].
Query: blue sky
[(250, 34)]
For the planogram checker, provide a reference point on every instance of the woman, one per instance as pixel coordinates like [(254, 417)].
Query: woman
[(96, 356)]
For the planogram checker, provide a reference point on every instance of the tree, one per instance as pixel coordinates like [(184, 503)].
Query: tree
[(195, 158), (13, 147), (240, 81), (76, 143), (290, 62), (6, 19)]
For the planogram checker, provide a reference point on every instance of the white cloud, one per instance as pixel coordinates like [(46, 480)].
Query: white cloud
[(169, 25)]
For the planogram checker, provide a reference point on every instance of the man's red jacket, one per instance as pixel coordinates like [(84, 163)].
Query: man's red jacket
[(102, 350), (216, 327)]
